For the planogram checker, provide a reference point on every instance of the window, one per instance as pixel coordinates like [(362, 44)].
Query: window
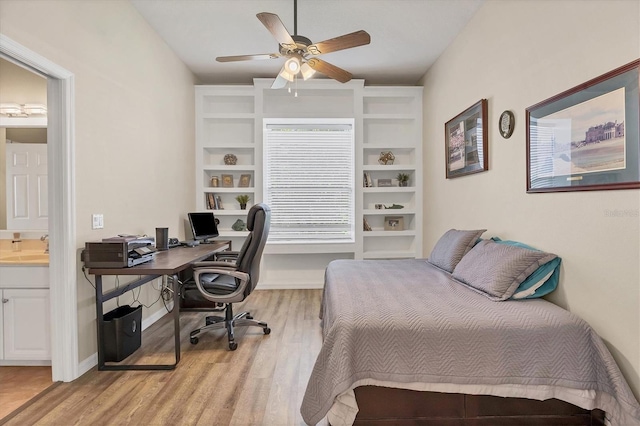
[(309, 179)]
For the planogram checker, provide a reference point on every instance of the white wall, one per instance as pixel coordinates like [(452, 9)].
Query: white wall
[(516, 54), (134, 127)]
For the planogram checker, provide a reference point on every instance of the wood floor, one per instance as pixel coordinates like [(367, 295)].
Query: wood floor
[(261, 383), (19, 384)]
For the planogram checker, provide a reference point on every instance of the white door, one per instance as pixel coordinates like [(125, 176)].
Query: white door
[(27, 206), (26, 324)]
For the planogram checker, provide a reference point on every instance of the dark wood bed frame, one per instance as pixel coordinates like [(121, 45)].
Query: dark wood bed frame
[(402, 407)]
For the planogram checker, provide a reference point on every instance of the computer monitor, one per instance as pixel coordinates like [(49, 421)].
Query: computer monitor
[(203, 225)]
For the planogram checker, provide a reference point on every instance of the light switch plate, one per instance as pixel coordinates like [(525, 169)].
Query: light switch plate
[(97, 221)]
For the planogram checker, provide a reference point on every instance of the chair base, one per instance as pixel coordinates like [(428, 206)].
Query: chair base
[(229, 322)]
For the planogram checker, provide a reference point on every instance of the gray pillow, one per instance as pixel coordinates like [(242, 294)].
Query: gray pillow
[(452, 246), (496, 270)]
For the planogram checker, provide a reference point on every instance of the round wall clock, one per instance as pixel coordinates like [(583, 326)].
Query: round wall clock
[(506, 124)]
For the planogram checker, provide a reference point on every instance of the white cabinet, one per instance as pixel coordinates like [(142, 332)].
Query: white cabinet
[(26, 324), (25, 336)]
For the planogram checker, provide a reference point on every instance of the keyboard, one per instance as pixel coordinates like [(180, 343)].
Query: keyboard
[(190, 243)]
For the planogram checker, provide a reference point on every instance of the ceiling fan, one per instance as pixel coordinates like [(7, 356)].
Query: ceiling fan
[(300, 51)]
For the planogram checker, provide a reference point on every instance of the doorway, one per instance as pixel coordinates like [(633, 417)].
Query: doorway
[(61, 189)]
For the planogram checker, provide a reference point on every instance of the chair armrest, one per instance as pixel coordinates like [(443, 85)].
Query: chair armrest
[(227, 255), (213, 264), (243, 277)]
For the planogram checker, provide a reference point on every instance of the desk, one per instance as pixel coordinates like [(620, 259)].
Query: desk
[(167, 262)]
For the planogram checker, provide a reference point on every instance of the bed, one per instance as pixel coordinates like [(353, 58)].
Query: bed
[(408, 325)]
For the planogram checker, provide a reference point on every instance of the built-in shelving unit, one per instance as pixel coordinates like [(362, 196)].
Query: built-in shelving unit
[(225, 125), (229, 121), (392, 122)]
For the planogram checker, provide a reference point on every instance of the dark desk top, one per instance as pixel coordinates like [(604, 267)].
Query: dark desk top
[(167, 262)]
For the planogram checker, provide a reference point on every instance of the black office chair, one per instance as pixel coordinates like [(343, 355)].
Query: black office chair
[(233, 277)]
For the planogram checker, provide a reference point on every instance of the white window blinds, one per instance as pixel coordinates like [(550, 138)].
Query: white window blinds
[(309, 180)]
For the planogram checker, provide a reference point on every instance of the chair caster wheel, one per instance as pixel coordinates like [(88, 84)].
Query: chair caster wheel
[(267, 330), (233, 346), (194, 340)]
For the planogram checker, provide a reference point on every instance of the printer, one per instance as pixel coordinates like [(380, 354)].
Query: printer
[(118, 252)]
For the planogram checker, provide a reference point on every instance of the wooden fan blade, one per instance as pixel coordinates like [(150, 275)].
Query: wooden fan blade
[(277, 29), (347, 41), (248, 57), (329, 70)]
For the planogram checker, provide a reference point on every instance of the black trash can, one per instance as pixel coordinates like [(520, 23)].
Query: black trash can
[(121, 332)]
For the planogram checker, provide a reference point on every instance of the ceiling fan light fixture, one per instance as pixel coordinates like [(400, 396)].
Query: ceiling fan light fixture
[(286, 75), (307, 71), (292, 65)]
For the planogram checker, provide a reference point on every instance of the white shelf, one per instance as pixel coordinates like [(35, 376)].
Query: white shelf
[(390, 189), (407, 233), (218, 189), (388, 212), (389, 167), (228, 168), (230, 212)]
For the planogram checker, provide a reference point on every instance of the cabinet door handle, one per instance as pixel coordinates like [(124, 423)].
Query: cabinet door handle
[(5, 300)]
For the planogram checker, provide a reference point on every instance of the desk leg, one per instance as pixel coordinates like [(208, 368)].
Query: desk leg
[(101, 298), (99, 321), (176, 315)]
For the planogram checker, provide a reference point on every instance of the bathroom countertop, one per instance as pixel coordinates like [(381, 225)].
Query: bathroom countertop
[(24, 257)]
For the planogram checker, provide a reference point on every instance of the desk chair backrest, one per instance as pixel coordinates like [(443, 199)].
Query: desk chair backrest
[(249, 257)]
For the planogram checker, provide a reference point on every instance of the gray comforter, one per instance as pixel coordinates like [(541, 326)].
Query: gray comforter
[(408, 321)]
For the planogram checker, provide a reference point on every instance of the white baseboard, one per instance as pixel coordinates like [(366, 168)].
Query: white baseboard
[(26, 363), (92, 360)]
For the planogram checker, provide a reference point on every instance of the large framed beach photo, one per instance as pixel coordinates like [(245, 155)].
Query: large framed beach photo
[(465, 138), (587, 138)]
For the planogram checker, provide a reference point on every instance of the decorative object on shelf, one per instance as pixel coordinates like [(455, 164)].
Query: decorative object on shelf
[(393, 223), (506, 123), (384, 182), (245, 181), (403, 179), (365, 225), (586, 138), (378, 206), (230, 160), (366, 181), (242, 200), (227, 181), (395, 207), (466, 144), (215, 181), (386, 158), (239, 225)]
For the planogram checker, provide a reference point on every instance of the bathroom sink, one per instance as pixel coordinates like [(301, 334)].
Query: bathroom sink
[(25, 258)]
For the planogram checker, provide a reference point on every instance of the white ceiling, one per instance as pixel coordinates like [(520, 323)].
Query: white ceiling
[(407, 36)]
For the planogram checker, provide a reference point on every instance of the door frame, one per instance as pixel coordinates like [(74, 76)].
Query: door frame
[(62, 205)]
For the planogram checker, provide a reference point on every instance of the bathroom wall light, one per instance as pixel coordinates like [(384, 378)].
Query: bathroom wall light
[(35, 109), (11, 109), (17, 110)]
